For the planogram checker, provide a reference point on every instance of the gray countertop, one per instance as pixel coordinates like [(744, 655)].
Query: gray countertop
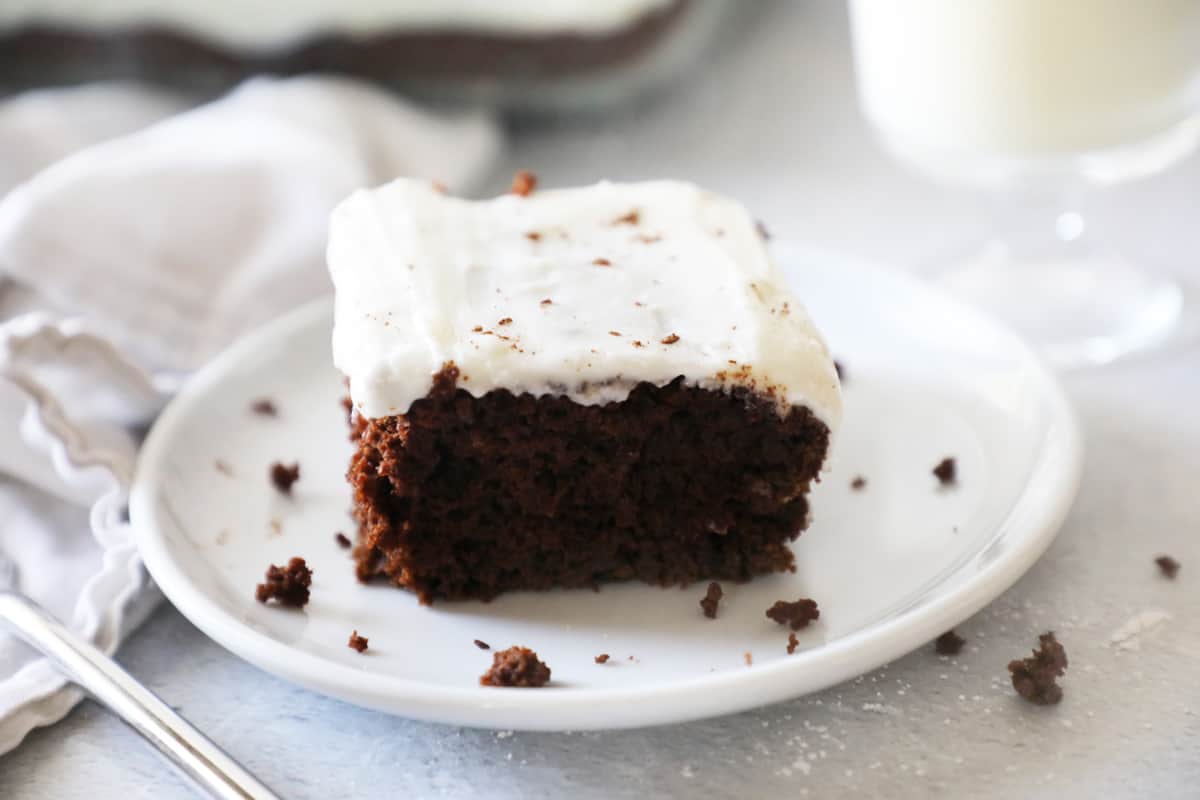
[(770, 118)]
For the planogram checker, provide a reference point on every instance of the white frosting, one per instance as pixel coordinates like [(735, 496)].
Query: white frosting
[(271, 23), (423, 279)]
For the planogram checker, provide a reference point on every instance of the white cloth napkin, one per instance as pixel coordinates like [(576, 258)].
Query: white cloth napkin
[(167, 230)]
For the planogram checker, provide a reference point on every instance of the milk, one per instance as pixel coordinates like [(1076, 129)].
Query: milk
[(1025, 78)]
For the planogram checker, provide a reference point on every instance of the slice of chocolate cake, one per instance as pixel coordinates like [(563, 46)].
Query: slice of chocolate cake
[(570, 387)]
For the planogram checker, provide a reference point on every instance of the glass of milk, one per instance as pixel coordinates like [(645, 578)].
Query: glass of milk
[(1041, 96)]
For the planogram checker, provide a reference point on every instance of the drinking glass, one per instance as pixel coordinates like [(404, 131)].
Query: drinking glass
[(1037, 101)]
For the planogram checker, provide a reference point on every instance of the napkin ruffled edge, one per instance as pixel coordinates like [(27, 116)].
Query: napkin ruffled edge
[(118, 598)]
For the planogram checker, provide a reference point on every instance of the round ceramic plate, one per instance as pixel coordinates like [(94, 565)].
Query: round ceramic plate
[(892, 565)]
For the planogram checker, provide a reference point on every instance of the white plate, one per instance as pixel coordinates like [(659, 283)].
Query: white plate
[(892, 566)]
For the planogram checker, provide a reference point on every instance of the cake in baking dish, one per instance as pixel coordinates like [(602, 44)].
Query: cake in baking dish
[(564, 388)]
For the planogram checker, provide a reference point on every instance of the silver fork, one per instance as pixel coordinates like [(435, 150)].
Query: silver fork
[(191, 752)]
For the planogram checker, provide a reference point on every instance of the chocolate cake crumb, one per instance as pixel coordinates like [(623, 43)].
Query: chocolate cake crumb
[(1034, 677), (342, 539), (602, 658), (505, 321), (482, 645), (602, 262), (516, 666), (859, 483), (672, 339), (748, 658), (524, 182), (742, 429), (632, 218), (710, 600), (798, 614), (533, 236), (547, 302), (357, 642), (946, 471), (948, 644), (840, 370), (283, 476), (287, 586), (223, 467), (793, 643), (614, 333), (264, 408), (1168, 566), (763, 233)]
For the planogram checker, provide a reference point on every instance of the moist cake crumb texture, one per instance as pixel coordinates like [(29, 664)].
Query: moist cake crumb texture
[(792, 643), (283, 476), (287, 585), (1036, 678), (1168, 566), (357, 642), (798, 614), (949, 644), (467, 497), (711, 598), (516, 666)]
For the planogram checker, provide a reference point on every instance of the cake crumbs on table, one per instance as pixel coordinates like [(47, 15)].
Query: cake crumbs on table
[(223, 467), (602, 658), (671, 339), (264, 408), (797, 614), (946, 471), (284, 476), (712, 597), (516, 667), (792, 644), (601, 262), (546, 302), (533, 236), (1168, 566), (357, 642), (287, 585), (523, 183), (342, 539), (748, 657), (949, 644), (1036, 678), (482, 645), (632, 218), (505, 321), (859, 483)]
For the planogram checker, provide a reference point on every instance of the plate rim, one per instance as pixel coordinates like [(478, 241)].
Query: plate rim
[(1045, 499)]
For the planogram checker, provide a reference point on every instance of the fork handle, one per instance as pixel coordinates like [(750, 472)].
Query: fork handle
[(191, 752)]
